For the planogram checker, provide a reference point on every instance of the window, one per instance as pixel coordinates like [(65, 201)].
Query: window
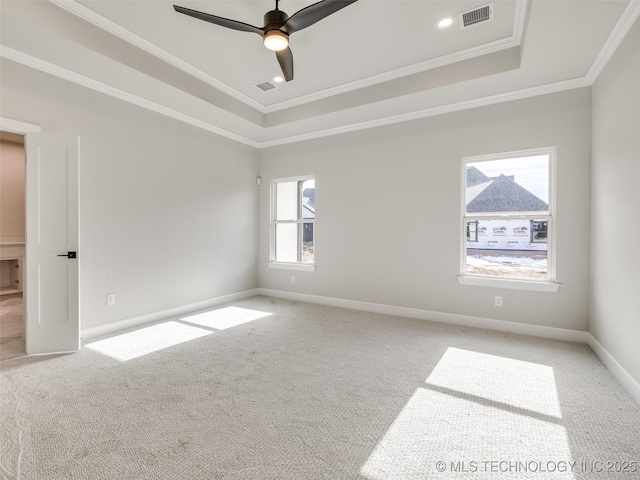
[(539, 231), (507, 217), (472, 231), (292, 223)]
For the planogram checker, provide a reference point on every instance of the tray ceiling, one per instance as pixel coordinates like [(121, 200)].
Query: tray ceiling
[(371, 63)]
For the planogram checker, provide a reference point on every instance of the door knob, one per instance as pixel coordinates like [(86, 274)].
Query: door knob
[(69, 255)]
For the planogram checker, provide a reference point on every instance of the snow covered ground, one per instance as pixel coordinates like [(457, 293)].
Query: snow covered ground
[(507, 263)]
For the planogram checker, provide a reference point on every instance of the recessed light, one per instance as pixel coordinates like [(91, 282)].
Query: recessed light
[(278, 79), (445, 22)]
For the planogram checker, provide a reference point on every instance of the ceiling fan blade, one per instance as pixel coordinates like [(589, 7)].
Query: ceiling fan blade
[(313, 13), (223, 22), (285, 59)]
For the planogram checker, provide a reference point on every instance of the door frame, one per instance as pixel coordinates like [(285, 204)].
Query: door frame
[(15, 126), (21, 128)]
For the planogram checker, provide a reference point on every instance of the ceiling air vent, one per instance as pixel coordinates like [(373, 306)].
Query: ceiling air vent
[(475, 16), (265, 86)]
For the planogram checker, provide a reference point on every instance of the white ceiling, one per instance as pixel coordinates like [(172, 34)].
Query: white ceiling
[(397, 34), (371, 63)]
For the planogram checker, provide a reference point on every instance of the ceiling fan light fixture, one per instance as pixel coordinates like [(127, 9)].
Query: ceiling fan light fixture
[(276, 40)]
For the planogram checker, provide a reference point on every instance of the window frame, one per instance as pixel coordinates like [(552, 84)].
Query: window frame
[(548, 284), (273, 222)]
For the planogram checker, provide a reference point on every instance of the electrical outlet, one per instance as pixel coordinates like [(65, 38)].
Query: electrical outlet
[(111, 299), (293, 279), (498, 302)]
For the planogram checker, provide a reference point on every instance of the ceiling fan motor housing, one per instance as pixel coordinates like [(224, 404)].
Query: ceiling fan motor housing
[(274, 19)]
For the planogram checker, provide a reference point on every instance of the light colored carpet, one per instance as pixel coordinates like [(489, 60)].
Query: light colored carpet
[(273, 389)]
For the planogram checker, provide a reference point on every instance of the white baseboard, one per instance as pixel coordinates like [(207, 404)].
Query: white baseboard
[(113, 327), (466, 320), (617, 370), (623, 377)]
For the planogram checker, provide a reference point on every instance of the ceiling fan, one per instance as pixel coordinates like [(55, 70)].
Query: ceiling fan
[(278, 26)]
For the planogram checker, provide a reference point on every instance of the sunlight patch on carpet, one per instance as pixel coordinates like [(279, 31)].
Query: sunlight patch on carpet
[(224, 318), (525, 385), (146, 340), (478, 416)]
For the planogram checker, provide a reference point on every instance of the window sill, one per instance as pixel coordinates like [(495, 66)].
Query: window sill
[(300, 267), (548, 287)]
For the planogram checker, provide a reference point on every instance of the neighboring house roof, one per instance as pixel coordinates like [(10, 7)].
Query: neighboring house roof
[(475, 190), (504, 195), (475, 177)]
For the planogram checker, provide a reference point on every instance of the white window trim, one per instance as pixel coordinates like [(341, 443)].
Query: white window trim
[(300, 267), (511, 284), (549, 284), (297, 266)]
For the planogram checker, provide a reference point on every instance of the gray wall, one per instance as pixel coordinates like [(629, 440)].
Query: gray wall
[(388, 209), (615, 257), (167, 212)]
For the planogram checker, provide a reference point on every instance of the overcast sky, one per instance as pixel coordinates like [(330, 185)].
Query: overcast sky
[(530, 172)]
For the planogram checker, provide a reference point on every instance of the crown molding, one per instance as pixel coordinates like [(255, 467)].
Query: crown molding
[(104, 23), (434, 111), (514, 40), (430, 64), (38, 64), (626, 21), (522, 10), (57, 71)]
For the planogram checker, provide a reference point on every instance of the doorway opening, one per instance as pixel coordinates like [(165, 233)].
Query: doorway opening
[(12, 244)]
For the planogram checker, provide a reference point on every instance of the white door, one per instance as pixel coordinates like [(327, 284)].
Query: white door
[(52, 300)]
